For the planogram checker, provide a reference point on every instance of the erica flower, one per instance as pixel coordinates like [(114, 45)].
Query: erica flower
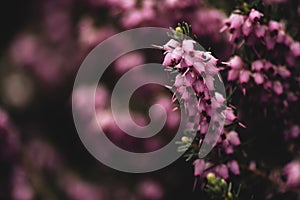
[(295, 49), (254, 15), (232, 140), (234, 22), (292, 172), (237, 72), (234, 167)]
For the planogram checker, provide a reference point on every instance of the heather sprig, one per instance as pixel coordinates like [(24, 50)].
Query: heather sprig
[(198, 69)]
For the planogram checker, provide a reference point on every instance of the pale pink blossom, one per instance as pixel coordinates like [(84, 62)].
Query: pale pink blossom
[(292, 172), (199, 167), (257, 65), (274, 26), (295, 48), (234, 21), (234, 167), (222, 171), (258, 78), (244, 76), (260, 31), (236, 62), (254, 15), (277, 87), (233, 138)]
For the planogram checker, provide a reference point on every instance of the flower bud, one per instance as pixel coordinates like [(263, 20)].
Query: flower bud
[(211, 178)]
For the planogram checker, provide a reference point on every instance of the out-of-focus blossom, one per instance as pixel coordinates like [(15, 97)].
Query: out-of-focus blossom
[(9, 139), (234, 22), (48, 65), (237, 72), (150, 190), (21, 190), (292, 133), (233, 138), (234, 167), (295, 48), (222, 171), (199, 167), (292, 172), (89, 35), (277, 87), (254, 15), (57, 25), (129, 61), (77, 189)]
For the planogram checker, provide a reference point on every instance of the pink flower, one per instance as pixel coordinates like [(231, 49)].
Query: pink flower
[(222, 171), (260, 31), (274, 26), (199, 67), (236, 35), (247, 27), (234, 21), (283, 72), (295, 131), (236, 62), (234, 167), (295, 48), (268, 65), (173, 56), (230, 116), (244, 76), (254, 15), (199, 167), (277, 87), (198, 86), (233, 138), (281, 36), (232, 75), (228, 148), (288, 40), (168, 60), (209, 81), (132, 18), (258, 78), (129, 61), (257, 65), (188, 45), (270, 42), (292, 172)]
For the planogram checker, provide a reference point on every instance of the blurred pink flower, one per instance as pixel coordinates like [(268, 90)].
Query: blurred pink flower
[(150, 190), (233, 138), (129, 61), (292, 172), (254, 15), (295, 48), (222, 171), (199, 167), (234, 167), (21, 188)]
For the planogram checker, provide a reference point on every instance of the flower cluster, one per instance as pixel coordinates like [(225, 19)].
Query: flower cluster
[(258, 62), (199, 70), (264, 68)]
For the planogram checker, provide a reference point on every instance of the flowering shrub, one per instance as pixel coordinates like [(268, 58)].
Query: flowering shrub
[(252, 47)]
